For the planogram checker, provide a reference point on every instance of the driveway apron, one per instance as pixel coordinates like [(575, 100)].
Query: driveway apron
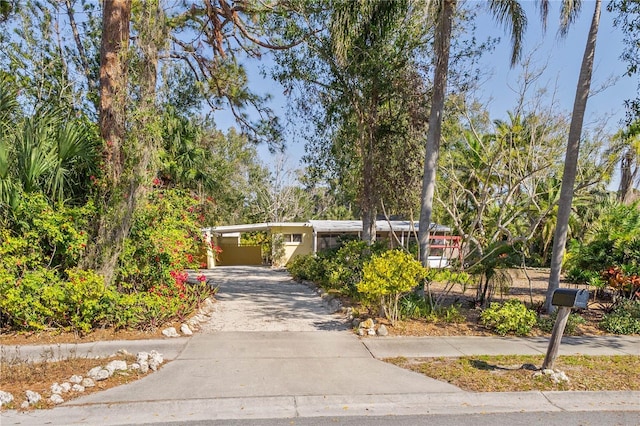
[(270, 336)]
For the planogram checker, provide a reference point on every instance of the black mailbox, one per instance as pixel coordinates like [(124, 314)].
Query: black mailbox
[(570, 297)]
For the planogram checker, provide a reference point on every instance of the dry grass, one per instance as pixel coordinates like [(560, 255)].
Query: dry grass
[(17, 376), (513, 373)]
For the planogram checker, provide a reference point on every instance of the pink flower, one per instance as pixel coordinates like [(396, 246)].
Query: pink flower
[(201, 278)]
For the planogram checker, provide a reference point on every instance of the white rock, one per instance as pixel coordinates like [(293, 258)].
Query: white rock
[(371, 332), (134, 366), (170, 332), (66, 387), (184, 329), (33, 397), (56, 398), (124, 352), (99, 373), (75, 379), (382, 330), (5, 398), (116, 365), (88, 382), (142, 357), (25, 404), (56, 388), (361, 332), (155, 359), (77, 388), (547, 372), (144, 367)]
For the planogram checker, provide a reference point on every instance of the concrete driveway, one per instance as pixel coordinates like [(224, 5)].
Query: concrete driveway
[(270, 336)]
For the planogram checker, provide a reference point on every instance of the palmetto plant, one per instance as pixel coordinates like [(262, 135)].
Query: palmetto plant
[(47, 152)]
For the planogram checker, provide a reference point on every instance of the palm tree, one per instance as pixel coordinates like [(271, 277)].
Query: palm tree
[(569, 12), (511, 15)]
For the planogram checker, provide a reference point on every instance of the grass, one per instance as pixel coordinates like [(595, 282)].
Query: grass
[(513, 373)]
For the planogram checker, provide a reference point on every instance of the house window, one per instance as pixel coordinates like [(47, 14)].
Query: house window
[(293, 238)]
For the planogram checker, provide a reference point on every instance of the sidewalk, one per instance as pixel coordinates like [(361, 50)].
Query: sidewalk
[(259, 375)]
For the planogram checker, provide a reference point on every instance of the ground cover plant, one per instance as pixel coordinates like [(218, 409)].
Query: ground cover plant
[(511, 373)]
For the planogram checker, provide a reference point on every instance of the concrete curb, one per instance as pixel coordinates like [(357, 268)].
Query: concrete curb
[(326, 406)]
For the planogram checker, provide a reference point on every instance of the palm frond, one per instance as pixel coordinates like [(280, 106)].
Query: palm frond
[(510, 14)]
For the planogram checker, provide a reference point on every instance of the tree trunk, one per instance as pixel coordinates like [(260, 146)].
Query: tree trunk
[(571, 158), (442, 48), (113, 84)]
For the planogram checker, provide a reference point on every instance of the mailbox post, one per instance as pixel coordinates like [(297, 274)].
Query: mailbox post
[(564, 299)]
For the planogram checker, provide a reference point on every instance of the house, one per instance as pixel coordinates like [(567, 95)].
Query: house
[(299, 238)]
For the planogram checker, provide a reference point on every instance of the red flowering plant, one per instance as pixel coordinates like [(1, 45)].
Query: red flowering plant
[(164, 242)]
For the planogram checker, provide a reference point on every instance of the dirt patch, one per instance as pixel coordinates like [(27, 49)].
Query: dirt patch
[(60, 336)]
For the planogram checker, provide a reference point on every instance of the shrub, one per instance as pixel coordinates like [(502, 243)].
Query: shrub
[(165, 237), (386, 277), (546, 322), (624, 319), (511, 316)]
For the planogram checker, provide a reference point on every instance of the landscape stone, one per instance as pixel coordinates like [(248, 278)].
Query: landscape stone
[(184, 329), (56, 398), (5, 398), (99, 373), (66, 387), (88, 382), (142, 357), (155, 359), (75, 379), (116, 365), (382, 330), (24, 405), (33, 397), (170, 332), (355, 322), (371, 332), (124, 352), (144, 367), (361, 332), (134, 366), (368, 323), (56, 388), (77, 388)]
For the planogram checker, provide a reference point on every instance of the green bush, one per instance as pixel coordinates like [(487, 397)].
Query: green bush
[(386, 277), (546, 322), (511, 316), (40, 287), (165, 237), (624, 319)]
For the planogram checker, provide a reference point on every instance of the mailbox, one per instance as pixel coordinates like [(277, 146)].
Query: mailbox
[(571, 298)]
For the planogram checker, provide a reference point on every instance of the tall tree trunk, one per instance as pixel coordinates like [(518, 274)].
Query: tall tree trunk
[(116, 15), (571, 158), (442, 48), (114, 220)]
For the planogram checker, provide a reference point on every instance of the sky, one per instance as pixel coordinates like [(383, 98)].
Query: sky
[(562, 56)]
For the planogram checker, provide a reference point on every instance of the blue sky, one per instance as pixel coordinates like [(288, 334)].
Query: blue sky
[(562, 57)]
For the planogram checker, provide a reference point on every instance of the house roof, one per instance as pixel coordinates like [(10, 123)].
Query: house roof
[(336, 226), (327, 226), (252, 227)]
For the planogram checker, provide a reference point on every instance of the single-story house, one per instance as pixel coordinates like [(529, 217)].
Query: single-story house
[(300, 238)]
